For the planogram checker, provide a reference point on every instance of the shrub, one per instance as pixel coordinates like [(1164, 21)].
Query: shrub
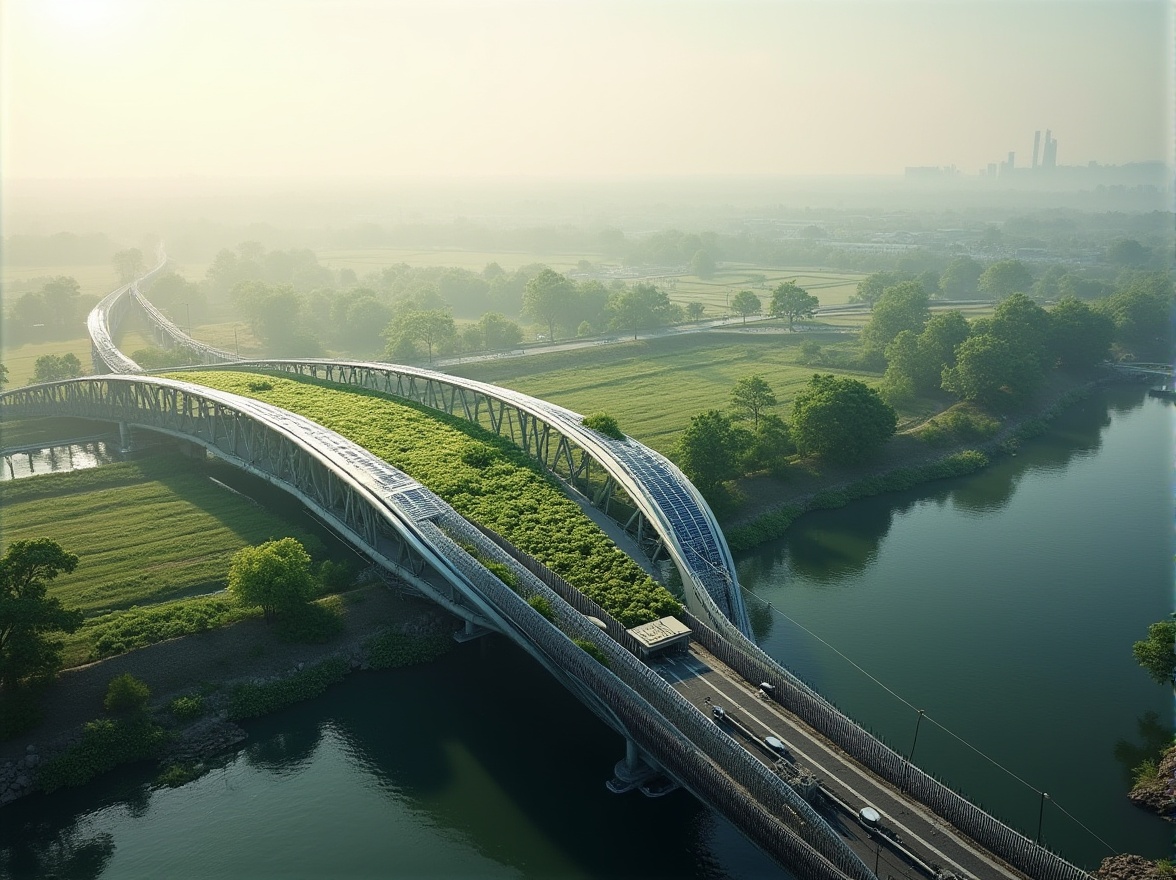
[(176, 775), (126, 694), (124, 631), (187, 707), (105, 744), (479, 456), (313, 623), (335, 577), (540, 604), (592, 650), (392, 650), (1146, 772), (764, 528), (261, 386), (603, 423), (251, 700), (503, 572)]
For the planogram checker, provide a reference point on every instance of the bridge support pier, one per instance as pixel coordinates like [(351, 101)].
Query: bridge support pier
[(125, 442), (470, 632), (633, 768)]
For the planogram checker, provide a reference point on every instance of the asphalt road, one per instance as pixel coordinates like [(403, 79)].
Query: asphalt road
[(706, 683)]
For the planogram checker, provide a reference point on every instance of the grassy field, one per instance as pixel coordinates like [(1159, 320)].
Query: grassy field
[(146, 532), (653, 387)]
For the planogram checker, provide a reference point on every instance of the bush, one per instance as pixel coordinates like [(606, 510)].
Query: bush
[(540, 604), (105, 744), (593, 650), (479, 456), (312, 624), (1146, 772), (392, 650), (765, 528), (335, 577), (503, 572), (261, 386), (252, 700), (176, 775), (187, 707), (126, 694), (603, 423), (124, 631)]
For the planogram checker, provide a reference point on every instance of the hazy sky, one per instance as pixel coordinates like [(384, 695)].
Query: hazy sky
[(127, 88)]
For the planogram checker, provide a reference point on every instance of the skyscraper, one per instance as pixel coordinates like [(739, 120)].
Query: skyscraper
[(1050, 157), (1036, 145)]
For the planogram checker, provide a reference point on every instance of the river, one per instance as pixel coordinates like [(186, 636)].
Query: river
[(1003, 604)]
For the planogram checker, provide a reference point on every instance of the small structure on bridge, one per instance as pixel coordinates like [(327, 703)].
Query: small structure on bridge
[(660, 635)]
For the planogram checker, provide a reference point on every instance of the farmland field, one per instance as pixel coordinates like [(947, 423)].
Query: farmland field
[(654, 386), (146, 532)]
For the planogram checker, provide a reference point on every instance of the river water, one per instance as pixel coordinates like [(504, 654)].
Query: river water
[(1003, 604)]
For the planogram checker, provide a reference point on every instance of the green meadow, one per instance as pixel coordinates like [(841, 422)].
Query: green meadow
[(653, 387)]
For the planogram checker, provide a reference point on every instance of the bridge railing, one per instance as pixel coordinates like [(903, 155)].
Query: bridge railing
[(801, 700)]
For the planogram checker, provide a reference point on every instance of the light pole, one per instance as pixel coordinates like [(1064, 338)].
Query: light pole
[(1041, 815), (914, 742), (236, 347), (188, 315)]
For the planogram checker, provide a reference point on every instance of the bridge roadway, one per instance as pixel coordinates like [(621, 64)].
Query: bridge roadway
[(772, 817), (706, 682)]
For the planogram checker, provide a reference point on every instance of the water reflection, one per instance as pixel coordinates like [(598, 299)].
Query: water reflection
[(68, 854), (57, 459), (1154, 736)]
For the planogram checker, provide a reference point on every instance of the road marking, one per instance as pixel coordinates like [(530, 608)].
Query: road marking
[(839, 760)]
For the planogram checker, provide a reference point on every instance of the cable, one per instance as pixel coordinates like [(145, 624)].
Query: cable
[(946, 730)]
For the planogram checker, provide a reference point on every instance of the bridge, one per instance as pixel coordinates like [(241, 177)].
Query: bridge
[(409, 531)]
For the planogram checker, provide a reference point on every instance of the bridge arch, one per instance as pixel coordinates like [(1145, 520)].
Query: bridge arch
[(408, 530)]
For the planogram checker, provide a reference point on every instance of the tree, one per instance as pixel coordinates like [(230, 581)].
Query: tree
[(840, 419), (871, 288), (791, 301), (902, 307), (709, 450), (1127, 252), (641, 307), (702, 264), (547, 298), (989, 368), (273, 311), (939, 340), (54, 367), (1025, 325), (1006, 277), (433, 327), (960, 278), (61, 295), (746, 303), (751, 396), (771, 444), (3, 376), (275, 575), (1156, 653), (694, 311), (1080, 337), (29, 618), (1141, 312), (499, 333), (128, 264), (905, 368)]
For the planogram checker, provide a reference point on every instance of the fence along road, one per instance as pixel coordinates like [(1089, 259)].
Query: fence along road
[(531, 422)]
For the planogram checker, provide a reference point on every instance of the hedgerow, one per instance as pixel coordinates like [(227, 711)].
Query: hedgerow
[(391, 650), (252, 700), (122, 631), (507, 492)]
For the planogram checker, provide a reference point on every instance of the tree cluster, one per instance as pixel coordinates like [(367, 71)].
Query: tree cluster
[(57, 311), (835, 418), (54, 367)]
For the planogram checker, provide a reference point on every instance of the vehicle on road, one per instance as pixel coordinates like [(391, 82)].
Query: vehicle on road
[(720, 714)]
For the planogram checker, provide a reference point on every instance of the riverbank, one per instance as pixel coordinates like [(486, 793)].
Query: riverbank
[(212, 664), (768, 505)]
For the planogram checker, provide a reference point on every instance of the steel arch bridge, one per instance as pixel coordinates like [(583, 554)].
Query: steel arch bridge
[(666, 514), (411, 532)]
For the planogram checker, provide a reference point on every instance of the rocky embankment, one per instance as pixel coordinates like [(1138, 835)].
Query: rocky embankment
[(1129, 867), (1158, 794)]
